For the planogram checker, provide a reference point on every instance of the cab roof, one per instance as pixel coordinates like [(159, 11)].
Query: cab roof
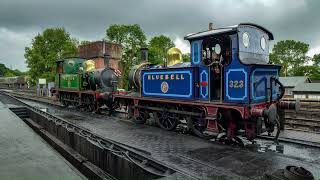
[(225, 30)]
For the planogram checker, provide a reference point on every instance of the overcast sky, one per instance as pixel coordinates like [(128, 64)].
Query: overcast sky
[(21, 20)]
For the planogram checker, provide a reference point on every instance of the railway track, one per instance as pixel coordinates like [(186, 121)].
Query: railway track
[(307, 119), (303, 124), (291, 124), (292, 141), (33, 97)]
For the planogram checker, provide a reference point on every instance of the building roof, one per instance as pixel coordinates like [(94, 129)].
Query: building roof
[(225, 30), (307, 87), (294, 81)]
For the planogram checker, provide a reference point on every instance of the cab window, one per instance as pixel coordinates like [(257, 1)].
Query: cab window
[(216, 51), (253, 46)]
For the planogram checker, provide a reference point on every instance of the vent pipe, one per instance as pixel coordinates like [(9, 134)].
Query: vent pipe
[(211, 26), (144, 55), (106, 61)]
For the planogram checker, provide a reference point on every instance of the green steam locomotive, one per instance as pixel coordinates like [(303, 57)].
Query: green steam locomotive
[(87, 82)]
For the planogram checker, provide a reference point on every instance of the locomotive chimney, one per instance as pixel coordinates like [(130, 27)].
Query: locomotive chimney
[(211, 26), (106, 60), (144, 54)]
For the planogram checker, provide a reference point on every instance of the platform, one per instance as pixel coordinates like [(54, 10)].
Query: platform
[(24, 155)]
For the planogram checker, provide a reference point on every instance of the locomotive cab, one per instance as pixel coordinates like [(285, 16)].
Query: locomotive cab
[(234, 64)]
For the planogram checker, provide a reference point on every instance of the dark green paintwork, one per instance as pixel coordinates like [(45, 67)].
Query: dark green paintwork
[(71, 81), (72, 65)]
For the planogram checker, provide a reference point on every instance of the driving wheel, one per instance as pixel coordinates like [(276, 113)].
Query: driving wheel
[(197, 125), (166, 120), (142, 118)]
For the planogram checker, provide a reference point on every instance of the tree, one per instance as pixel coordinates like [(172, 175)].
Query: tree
[(290, 54), (316, 60), (158, 47), (186, 57), (46, 48), (313, 72), (9, 74), (85, 42), (132, 38), (4, 71)]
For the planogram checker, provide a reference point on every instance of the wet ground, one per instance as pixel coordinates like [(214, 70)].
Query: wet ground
[(24, 155), (194, 156)]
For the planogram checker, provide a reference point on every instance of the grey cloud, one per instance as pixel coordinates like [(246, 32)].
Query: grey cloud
[(88, 19)]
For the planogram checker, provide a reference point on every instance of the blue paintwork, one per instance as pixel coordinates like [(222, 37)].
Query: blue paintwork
[(236, 71), (260, 78), (255, 36), (204, 77), (237, 93), (182, 89), (196, 49), (254, 47)]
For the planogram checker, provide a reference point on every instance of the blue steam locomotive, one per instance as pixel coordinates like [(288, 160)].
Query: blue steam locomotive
[(228, 87)]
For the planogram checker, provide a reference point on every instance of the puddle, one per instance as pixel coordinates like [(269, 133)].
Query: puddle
[(294, 150), (44, 109), (266, 147)]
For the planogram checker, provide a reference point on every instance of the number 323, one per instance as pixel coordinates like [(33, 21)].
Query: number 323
[(236, 84)]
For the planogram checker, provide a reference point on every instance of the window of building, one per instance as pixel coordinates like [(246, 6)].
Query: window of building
[(288, 91), (299, 96), (314, 96)]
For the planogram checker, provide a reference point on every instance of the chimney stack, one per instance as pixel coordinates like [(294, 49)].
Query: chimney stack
[(144, 54), (211, 26)]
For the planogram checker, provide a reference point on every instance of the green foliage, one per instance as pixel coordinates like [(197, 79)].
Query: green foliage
[(46, 48), (313, 72), (9, 74), (158, 47), (316, 60), (132, 38), (186, 57), (4, 71), (85, 42), (290, 54)]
